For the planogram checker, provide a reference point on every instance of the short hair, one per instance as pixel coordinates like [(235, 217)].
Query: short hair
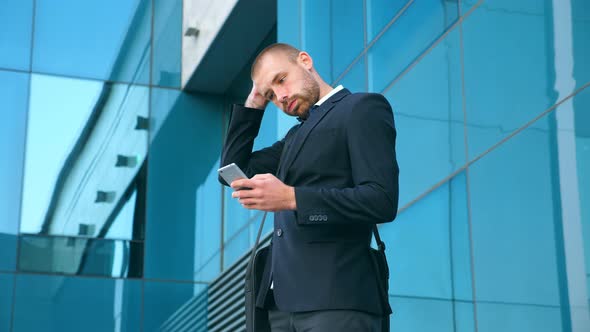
[(291, 52)]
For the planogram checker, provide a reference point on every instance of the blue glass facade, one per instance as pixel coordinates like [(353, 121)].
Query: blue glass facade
[(112, 219)]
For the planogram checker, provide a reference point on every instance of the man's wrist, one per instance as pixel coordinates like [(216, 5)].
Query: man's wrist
[(292, 201), (251, 104)]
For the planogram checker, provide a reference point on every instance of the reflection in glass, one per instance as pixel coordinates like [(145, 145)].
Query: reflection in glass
[(419, 26), (505, 91), (317, 40), (541, 221), (80, 256), (16, 19), (348, 37), (13, 115), (428, 110), (417, 314), (184, 195), (167, 306), (75, 182), (429, 241), (380, 13), (108, 39), (167, 43), (72, 304), (6, 289)]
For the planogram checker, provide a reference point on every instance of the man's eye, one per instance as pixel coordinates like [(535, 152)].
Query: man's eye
[(271, 96), (282, 79)]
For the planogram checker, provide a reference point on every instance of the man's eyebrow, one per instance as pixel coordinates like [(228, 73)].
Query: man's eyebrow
[(274, 80)]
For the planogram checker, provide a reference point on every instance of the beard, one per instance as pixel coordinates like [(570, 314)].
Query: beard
[(309, 95)]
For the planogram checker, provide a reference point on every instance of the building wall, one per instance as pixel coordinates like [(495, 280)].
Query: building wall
[(489, 99), (491, 107)]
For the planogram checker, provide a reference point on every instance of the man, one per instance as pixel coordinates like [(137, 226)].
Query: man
[(329, 181)]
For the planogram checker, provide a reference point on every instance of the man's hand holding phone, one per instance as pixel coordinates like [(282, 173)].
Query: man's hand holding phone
[(267, 193)]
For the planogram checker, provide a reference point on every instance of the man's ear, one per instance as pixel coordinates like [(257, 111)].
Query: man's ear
[(305, 60)]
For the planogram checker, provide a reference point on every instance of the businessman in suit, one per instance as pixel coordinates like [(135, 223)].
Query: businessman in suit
[(328, 181)]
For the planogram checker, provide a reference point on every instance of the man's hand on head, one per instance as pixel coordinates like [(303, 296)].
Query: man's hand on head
[(266, 193), (256, 100)]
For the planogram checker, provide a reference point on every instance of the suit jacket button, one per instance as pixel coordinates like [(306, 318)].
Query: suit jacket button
[(279, 232)]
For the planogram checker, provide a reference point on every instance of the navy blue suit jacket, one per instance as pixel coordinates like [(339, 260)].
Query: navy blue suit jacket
[(342, 163)]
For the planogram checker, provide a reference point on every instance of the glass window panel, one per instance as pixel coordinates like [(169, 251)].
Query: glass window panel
[(518, 318), (348, 34), (6, 288), (289, 22), (316, 35), (514, 225), (71, 38), (80, 256), (169, 305), (580, 12), (418, 27), (14, 94), (427, 107), (167, 43), (507, 90), (428, 246), (16, 21), (356, 79), (380, 13), (57, 303), (184, 195), (529, 7), (207, 269), (73, 185), (412, 314)]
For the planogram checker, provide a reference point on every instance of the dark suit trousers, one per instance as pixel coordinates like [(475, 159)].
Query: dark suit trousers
[(323, 321)]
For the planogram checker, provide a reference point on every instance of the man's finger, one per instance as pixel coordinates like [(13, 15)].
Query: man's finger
[(242, 183)]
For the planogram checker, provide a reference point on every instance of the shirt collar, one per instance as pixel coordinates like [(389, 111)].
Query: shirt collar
[(330, 94)]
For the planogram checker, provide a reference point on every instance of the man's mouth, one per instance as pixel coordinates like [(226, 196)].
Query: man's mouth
[(292, 105)]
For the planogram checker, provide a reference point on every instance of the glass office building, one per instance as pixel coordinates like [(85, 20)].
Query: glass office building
[(113, 115)]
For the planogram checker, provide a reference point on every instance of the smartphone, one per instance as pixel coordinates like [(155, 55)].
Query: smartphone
[(231, 172)]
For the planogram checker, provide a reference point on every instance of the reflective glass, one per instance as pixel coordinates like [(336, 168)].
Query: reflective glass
[(356, 79), (80, 256), (168, 306), (428, 111), (184, 195), (424, 315), (316, 35), (14, 94), (6, 288), (16, 21), (518, 318), (580, 12), (289, 22), (531, 7), (57, 303), (418, 27), (428, 246), (529, 81), (244, 237), (167, 43), (537, 213), (74, 180), (71, 38), (348, 34), (380, 13)]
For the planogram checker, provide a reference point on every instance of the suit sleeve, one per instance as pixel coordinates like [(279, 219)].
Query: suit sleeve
[(243, 129), (373, 198)]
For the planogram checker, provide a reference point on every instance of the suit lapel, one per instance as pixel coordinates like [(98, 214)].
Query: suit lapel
[(305, 129)]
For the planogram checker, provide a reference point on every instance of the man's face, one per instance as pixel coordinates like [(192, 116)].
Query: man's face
[(289, 85)]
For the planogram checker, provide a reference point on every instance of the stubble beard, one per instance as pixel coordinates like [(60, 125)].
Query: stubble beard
[(309, 95)]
